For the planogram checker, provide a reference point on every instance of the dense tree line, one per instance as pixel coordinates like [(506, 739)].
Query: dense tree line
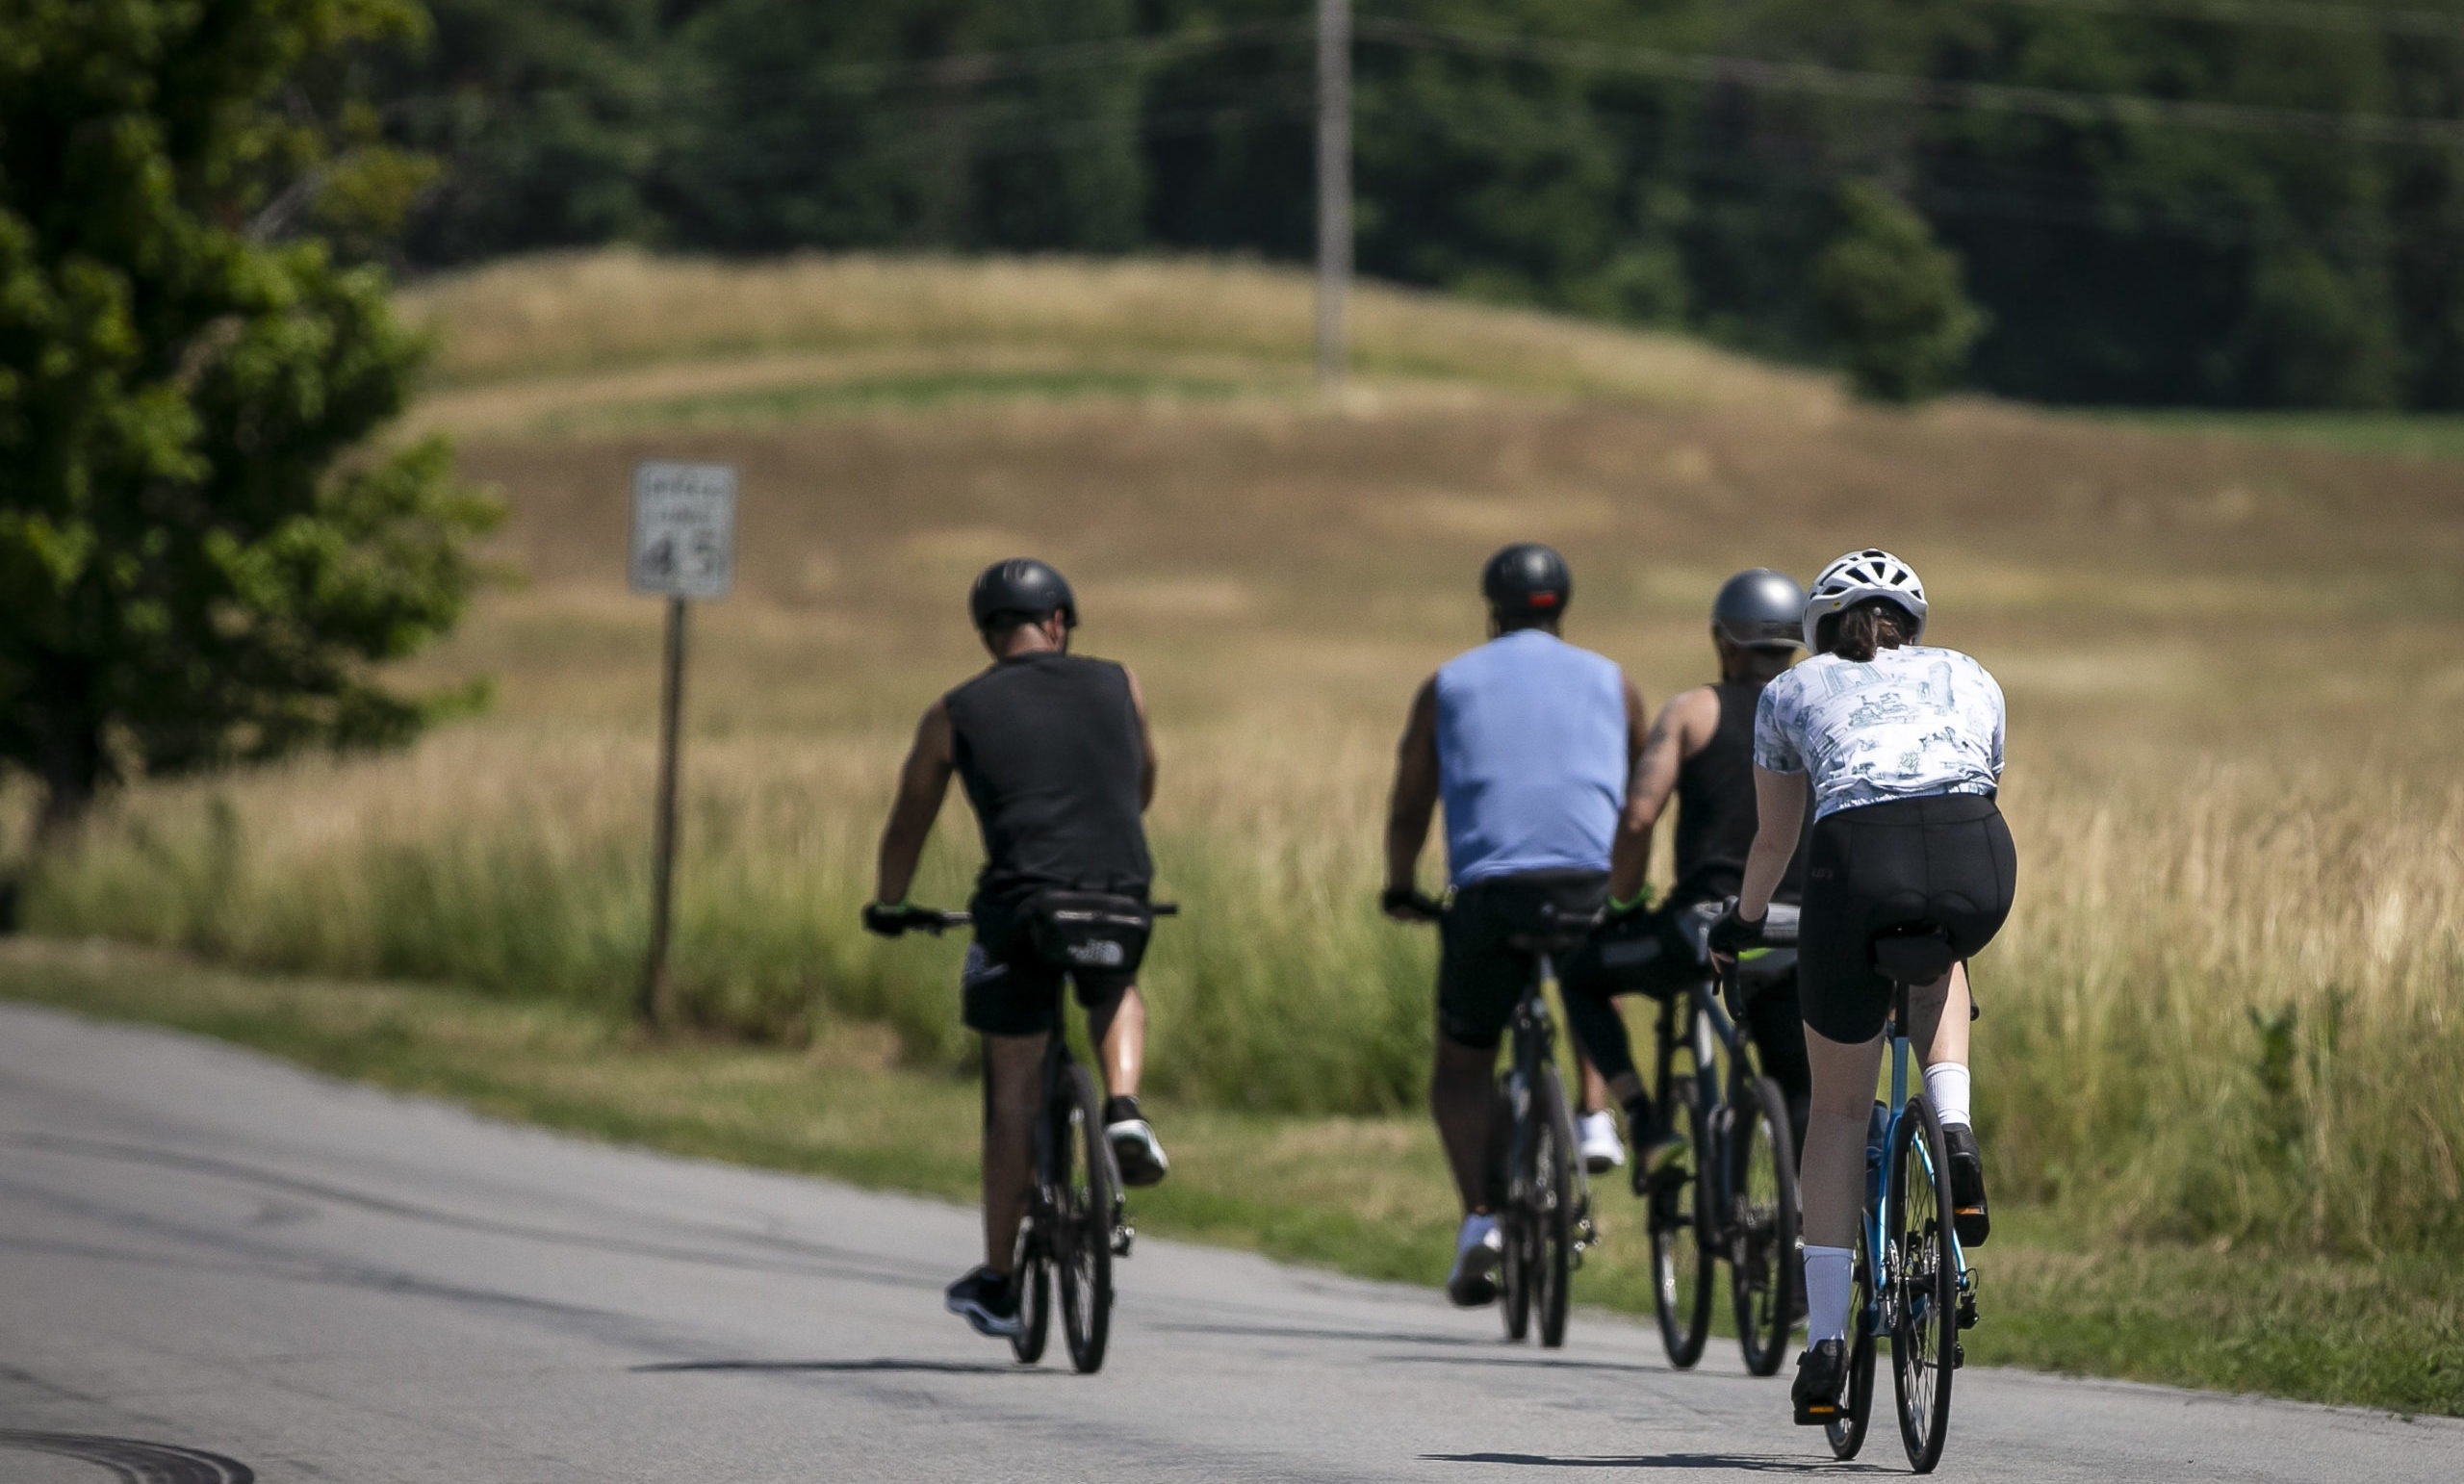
[(2208, 201)]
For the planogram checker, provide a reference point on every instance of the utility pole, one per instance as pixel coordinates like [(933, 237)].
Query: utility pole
[(1334, 184)]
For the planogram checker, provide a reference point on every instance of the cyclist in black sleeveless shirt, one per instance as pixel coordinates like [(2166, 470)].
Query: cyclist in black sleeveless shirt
[(1054, 753), (1699, 751)]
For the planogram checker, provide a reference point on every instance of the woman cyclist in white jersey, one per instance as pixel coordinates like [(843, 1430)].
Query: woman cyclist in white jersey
[(1904, 744)]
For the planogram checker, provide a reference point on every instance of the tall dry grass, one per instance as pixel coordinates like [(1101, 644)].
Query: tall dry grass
[(599, 310), (2224, 1009)]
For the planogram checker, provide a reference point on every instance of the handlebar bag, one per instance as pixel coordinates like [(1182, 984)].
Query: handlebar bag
[(1100, 932)]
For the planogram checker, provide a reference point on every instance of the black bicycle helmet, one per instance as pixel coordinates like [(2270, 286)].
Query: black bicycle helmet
[(1021, 590), (1525, 578), (1760, 609)]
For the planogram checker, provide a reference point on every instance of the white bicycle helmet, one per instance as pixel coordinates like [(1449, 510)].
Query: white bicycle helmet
[(1851, 579)]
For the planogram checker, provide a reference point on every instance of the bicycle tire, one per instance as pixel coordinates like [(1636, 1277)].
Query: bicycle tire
[(1552, 1188), (1847, 1434), (1682, 1257), (1035, 1296), (1514, 1232), (1924, 1340), (1766, 1263), (1084, 1257)]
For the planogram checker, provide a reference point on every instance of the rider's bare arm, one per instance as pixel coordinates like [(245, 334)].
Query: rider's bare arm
[(1415, 796), (1780, 813), (1629, 853), (921, 784), (1145, 741), (1683, 728)]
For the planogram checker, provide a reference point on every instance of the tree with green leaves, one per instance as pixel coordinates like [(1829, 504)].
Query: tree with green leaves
[(1891, 295), (203, 555)]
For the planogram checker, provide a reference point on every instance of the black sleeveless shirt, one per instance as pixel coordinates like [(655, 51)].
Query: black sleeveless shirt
[(1716, 808), (1048, 748)]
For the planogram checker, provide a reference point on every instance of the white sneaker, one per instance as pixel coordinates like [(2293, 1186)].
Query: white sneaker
[(1602, 1149), (1479, 1249)]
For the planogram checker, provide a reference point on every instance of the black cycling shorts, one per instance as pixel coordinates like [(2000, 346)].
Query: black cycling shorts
[(1007, 987), (1481, 974), (1944, 861)]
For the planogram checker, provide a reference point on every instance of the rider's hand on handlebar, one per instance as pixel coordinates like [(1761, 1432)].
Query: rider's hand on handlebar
[(1732, 933), (1406, 904), (887, 918)]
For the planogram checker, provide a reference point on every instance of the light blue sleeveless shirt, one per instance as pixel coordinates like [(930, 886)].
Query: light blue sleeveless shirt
[(1531, 757)]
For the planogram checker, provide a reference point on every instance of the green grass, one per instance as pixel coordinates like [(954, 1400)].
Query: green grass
[(910, 392), (1363, 1194), (2415, 435)]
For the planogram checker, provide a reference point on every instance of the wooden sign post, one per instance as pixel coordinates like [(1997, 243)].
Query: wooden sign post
[(683, 548)]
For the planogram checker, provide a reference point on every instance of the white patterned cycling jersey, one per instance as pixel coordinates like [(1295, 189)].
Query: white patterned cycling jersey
[(1909, 722)]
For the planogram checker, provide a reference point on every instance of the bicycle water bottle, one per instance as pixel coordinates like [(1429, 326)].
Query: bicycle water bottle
[(1877, 1129)]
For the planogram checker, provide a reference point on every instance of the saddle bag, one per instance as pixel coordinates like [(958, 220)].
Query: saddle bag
[(1096, 931)]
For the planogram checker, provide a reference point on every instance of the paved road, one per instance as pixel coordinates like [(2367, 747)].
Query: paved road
[(260, 1270)]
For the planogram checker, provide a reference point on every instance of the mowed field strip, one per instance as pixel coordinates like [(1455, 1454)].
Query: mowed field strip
[(2220, 1034)]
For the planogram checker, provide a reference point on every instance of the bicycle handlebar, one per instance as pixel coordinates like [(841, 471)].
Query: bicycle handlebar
[(926, 919)]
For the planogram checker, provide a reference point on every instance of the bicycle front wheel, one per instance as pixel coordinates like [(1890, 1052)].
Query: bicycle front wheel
[(1847, 1434), (1681, 1256), (1083, 1250), (1514, 1227), (1766, 1266), (1034, 1271), (1924, 1277), (1552, 1205)]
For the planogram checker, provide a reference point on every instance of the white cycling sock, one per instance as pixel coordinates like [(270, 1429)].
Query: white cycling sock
[(1829, 1271), (1946, 1086)]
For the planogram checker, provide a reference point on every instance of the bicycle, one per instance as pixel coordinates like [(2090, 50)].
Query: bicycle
[(1077, 1218), (1737, 1199), (1543, 1199), (1923, 1292)]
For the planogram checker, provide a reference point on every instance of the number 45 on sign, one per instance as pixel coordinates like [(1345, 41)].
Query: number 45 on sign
[(683, 530)]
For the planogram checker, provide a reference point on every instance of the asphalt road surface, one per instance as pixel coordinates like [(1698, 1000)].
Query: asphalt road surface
[(213, 1268)]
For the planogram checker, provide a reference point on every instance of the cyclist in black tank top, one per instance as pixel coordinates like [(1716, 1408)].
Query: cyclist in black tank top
[(1054, 754), (1699, 752)]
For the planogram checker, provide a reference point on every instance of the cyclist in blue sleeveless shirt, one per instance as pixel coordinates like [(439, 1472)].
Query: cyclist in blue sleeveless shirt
[(1533, 744)]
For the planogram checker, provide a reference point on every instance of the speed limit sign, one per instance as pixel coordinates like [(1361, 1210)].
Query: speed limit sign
[(683, 530)]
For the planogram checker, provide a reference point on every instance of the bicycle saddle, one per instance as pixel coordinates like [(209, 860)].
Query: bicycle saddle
[(1916, 955), (1554, 936)]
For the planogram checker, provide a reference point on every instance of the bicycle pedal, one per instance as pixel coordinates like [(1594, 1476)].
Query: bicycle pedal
[(1123, 1236), (1959, 1355), (1817, 1413)]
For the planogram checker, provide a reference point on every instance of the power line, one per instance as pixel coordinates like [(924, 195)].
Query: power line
[(1814, 78), (2351, 19)]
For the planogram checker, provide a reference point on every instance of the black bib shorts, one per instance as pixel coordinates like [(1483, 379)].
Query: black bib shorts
[(1481, 974), (1944, 861), (1007, 987)]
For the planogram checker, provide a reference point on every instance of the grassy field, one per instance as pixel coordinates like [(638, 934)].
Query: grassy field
[(2224, 1012), (1364, 1194)]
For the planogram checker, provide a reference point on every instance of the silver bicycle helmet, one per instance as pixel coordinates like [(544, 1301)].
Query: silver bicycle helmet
[(1850, 580)]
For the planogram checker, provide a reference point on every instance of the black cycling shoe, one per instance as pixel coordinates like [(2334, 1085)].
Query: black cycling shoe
[(1822, 1373), (1969, 1217), (1660, 1151), (988, 1301)]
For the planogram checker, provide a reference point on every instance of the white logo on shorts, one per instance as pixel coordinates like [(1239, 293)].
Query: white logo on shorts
[(1101, 954), (979, 967)]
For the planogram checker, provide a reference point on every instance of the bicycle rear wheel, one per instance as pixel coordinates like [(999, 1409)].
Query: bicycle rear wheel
[(1766, 1266), (1847, 1434), (1034, 1271), (1084, 1252), (1681, 1257), (1551, 1187), (1924, 1275)]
